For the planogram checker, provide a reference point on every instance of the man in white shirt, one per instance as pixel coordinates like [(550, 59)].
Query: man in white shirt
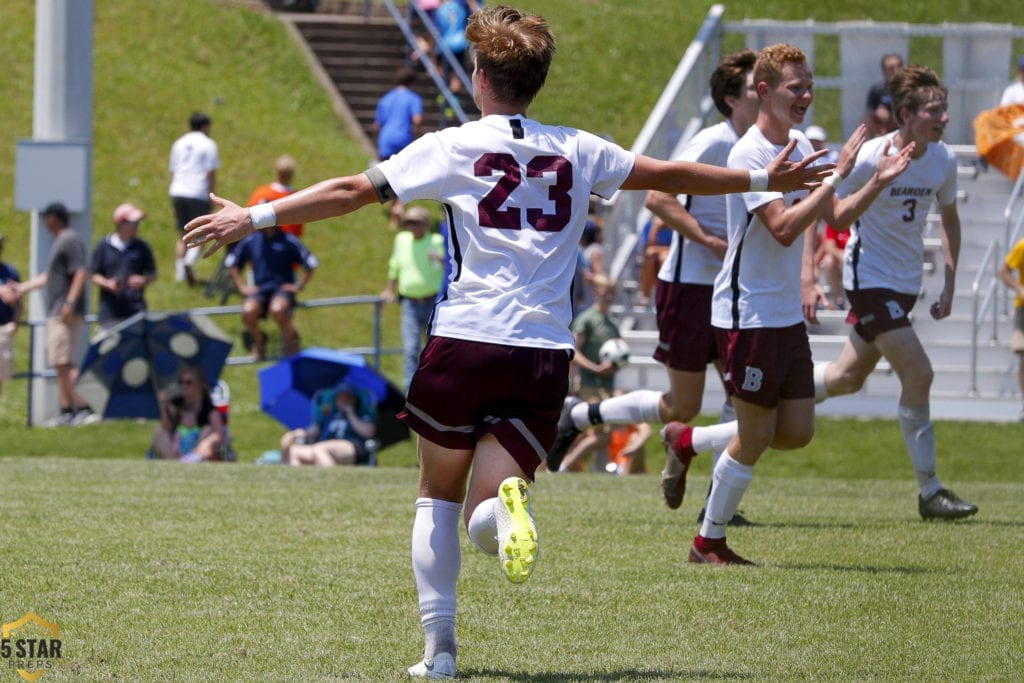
[(193, 164)]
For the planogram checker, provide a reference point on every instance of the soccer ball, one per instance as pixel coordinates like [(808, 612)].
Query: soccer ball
[(615, 350)]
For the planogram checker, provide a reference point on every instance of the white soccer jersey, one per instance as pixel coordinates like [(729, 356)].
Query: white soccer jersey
[(688, 261), (516, 193), (886, 248), (759, 284), (193, 156)]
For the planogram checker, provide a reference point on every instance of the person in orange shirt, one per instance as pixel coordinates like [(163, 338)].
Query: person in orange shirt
[(284, 170)]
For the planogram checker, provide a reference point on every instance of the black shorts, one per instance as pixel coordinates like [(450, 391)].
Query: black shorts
[(187, 208), (874, 311)]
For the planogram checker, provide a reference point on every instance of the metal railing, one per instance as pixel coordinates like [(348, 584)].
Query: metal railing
[(679, 114), (451, 100), (375, 350)]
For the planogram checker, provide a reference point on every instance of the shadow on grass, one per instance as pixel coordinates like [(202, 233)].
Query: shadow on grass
[(623, 675), (903, 571)]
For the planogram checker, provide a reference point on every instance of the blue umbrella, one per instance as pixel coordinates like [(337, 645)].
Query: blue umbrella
[(288, 386), (129, 363)]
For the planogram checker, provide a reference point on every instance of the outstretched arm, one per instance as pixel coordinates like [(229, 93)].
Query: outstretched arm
[(326, 199), (691, 177)]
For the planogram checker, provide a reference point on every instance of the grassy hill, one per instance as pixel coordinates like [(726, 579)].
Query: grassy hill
[(155, 62)]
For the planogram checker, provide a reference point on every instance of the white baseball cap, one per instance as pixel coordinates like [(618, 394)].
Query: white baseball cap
[(816, 133)]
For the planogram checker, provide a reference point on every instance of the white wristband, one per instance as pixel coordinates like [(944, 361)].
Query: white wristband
[(759, 180), (833, 180), (262, 215)]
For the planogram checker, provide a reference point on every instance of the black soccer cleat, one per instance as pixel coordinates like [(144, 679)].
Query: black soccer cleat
[(945, 504)]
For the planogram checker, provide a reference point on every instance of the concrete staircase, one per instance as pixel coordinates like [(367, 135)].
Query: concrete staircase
[(359, 48), (997, 398)]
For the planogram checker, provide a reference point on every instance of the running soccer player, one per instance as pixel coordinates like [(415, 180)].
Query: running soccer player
[(883, 265), (757, 303), (686, 342), (486, 396)]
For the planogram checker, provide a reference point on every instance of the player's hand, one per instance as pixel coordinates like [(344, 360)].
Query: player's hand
[(848, 154), (891, 165), (785, 175), (810, 296), (944, 306), (228, 225)]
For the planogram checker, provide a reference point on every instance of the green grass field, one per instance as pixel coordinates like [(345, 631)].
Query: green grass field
[(159, 571)]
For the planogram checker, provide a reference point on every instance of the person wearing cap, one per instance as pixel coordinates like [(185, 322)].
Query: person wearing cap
[(64, 280), (10, 313), (829, 242), (122, 267), (1014, 93), (343, 423), (415, 273)]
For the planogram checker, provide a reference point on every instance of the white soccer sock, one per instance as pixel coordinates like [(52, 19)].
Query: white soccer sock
[(919, 435), (436, 560), (729, 482), (713, 437), (483, 527), (642, 405), (179, 270), (728, 414), (820, 389)]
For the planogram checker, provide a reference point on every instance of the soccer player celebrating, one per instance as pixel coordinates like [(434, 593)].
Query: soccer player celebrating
[(756, 306), (882, 274), (686, 343), (486, 396)]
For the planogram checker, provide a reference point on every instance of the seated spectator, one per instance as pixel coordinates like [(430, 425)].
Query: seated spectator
[(274, 256), (122, 267), (340, 432), (191, 428), (829, 258), (284, 172)]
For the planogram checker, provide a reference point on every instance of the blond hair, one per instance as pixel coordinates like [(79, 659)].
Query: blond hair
[(772, 59)]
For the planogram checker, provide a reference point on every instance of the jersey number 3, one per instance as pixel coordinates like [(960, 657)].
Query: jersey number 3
[(490, 210)]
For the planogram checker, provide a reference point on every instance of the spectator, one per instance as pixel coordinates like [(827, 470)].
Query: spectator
[(878, 116), (122, 267), (193, 164), (657, 239), (829, 260), (10, 314), (340, 434), (591, 329), (828, 257), (191, 428), (274, 256), (414, 276), (1014, 93), (64, 279), (398, 122), (284, 172), (451, 19), (1015, 262)]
